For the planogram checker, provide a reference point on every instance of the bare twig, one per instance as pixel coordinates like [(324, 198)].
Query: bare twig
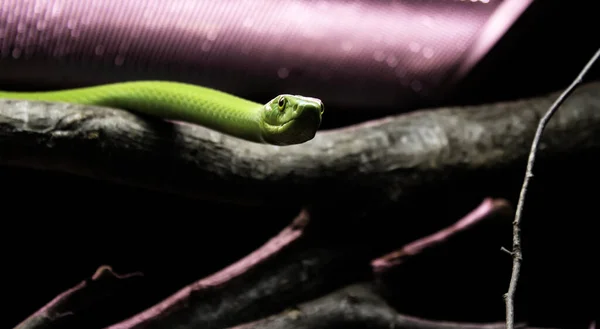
[(102, 293), (488, 209), (516, 248), (195, 304)]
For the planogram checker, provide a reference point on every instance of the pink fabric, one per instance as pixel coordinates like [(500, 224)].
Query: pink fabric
[(349, 53)]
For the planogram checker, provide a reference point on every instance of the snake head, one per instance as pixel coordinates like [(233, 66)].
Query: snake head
[(291, 119)]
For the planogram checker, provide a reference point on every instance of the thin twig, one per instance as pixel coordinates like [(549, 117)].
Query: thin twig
[(486, 211), (516, 248), (186, 308)]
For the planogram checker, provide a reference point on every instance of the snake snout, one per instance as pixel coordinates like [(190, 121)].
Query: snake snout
[(318, 108)]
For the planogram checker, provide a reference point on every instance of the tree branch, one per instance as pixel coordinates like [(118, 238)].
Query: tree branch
[(355, 306), (238, 291), (377, 162), (487, 210), (516, 247), (96, 295)]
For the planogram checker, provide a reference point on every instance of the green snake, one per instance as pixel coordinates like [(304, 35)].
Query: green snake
[(284, 120)]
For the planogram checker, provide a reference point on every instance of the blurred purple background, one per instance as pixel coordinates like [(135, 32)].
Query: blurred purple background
[(352, 54)]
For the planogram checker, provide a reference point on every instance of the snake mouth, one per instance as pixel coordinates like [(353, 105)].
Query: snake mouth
[(296, 130), (283, 126), (302, 128), (286, 124), (279, 127)]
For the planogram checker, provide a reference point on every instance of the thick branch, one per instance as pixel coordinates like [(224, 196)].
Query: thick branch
[(382, 159), (355, 306), (248, 288)]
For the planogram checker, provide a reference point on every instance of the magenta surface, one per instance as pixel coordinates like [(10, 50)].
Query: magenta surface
[(350, 53)]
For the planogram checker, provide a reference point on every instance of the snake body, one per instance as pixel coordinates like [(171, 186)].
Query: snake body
[(284, 120)]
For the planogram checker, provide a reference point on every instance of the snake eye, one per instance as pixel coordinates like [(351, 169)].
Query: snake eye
[(281, 102)]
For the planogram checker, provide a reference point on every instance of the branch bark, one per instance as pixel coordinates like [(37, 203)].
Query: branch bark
[(379, 161), (355, 306)]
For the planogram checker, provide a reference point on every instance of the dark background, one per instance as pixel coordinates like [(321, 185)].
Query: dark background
[(50, 241)]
